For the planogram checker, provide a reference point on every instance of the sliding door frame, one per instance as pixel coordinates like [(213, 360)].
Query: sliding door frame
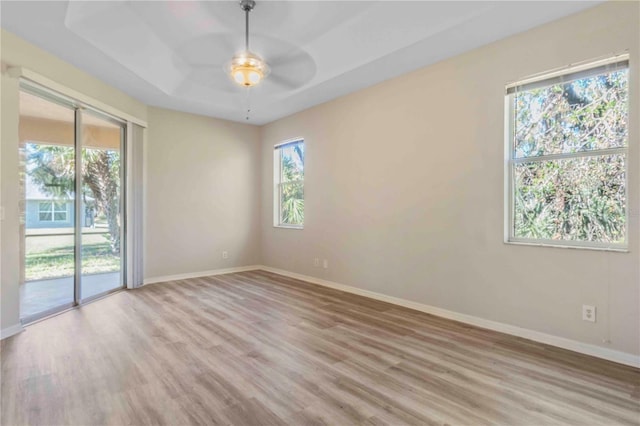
[(77, 206), (79, 109), (123, 197)]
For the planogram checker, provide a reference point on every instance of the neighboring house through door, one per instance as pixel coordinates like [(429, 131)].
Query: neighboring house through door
[(43, 210)]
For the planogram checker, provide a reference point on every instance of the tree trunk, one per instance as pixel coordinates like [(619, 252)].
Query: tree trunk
[(114, 226), (98, 176)]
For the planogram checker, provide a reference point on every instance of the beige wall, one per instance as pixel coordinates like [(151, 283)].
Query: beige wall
[(9, 195), (203, 194), (404, 191)]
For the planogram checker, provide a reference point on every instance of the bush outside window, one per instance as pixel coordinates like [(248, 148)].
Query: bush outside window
[(568, 153)]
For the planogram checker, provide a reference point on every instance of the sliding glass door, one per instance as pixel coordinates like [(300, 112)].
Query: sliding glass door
[(47, 149), (72, 210), (101, 207)]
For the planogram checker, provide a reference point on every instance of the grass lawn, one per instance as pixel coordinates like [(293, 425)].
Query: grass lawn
[(52, 256)]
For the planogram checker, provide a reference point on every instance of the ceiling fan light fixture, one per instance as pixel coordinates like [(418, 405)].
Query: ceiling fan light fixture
[(248, 69)]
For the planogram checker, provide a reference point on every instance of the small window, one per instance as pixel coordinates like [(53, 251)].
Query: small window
[(44, 212), (52, 212), (568, 153), (289, 184)]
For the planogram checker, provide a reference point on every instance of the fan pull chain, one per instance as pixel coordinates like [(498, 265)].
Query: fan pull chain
[(248, 102)]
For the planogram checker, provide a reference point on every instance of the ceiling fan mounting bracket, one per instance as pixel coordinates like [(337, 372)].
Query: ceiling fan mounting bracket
[(247, 5)]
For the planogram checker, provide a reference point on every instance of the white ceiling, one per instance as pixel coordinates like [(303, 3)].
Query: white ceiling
[(172, 53)]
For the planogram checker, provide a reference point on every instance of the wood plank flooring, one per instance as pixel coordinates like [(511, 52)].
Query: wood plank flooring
[(255, 348)]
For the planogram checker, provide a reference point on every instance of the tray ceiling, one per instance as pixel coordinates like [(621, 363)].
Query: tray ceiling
[(172, 53)]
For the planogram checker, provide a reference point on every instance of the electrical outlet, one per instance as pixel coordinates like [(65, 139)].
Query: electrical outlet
[(316, 262), (225, 254), (325, 264), (589, 313)]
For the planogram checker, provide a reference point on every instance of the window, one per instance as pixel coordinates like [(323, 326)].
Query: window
[(52, 212), (567, 162), (289, 184)]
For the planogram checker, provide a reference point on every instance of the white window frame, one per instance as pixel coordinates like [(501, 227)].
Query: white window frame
[(52, 211), (548, 79), (278, 184)]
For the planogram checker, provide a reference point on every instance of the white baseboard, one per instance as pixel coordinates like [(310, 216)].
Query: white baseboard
[(166, 278), (10, 331), (549, 339)]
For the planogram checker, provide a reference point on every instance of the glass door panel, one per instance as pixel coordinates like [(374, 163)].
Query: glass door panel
[(101, 205), (47, 226)]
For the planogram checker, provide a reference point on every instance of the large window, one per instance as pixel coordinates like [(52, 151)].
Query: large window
[(568, 152), (289, 184), (52, 212)]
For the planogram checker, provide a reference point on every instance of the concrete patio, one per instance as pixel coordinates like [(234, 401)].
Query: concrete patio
[(42, 295)]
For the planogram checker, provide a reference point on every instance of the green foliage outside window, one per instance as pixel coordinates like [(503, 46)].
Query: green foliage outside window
[(292, 184), (579, 197)]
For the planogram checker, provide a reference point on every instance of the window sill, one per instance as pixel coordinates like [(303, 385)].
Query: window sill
[(565, 246), (300, 227)]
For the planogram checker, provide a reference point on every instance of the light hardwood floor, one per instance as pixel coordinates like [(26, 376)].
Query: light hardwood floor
[(256, 348)]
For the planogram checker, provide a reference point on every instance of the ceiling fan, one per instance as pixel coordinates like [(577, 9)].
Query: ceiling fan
[(220, 63), (281, 67), (246, 68)]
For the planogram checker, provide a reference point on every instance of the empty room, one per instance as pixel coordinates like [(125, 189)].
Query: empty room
[(336, 213)]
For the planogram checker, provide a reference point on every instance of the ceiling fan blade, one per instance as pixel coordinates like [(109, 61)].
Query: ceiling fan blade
[(291, 58), (207, 65), (209, 50), (292, 70), (282, 81), (209, 78)]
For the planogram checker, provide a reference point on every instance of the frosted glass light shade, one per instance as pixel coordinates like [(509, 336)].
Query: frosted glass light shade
[(248, 69)]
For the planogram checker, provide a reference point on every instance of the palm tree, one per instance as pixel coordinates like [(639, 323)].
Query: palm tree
[(293, 189), (53, 169)]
